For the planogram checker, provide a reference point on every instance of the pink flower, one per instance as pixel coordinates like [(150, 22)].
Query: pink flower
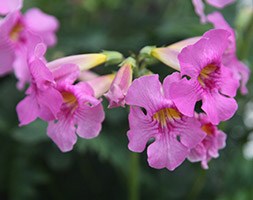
[(68, 108), (199, 6), (122, 81), (81, 113), (19, 37), (209, 147), (7, 6), (43, 100), (210, 81), (240, 70), (154, 116)]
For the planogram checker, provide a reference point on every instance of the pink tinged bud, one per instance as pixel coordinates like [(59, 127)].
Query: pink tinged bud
[(121, 83), (168, 55), (81, 113), (84, 61), (87, 76), (42, 99), (210, 145), (101, 84), (7, 6), (174, 134)]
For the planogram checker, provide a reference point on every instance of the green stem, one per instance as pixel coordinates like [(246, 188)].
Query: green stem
[(198, 185), (244, 47), (134, 177)]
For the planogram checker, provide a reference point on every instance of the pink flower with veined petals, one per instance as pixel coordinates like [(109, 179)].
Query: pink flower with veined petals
[(174, 134), (81, 113), (43, 100), (230, 60), (199, 6), (19, 36), (210, 81), (7, 6), (214, 141)]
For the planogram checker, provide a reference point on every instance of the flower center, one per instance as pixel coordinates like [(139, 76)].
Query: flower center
[(208, 128), (207, 75), (163, 115), (15, 32), (70, 100)]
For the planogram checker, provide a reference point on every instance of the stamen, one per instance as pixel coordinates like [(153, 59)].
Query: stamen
[(15, 32), (163, 115), (206, 74), (69, 99), (208, 128)]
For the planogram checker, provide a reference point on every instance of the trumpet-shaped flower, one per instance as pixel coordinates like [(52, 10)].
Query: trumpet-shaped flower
[(43, 100), (122, 81), (214, 141), (240, 70), (7, 6), (210, 81), (19, 36), (174, 134), (199, 6), (81, 113)]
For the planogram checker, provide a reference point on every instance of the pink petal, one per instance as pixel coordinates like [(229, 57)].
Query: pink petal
[(168, 81), (197, 154), (84, 92), (245, 74), (27, 110), (229, 84), (50, 102), (66, 73), (89, 121), (221, 139), (21, 69), (192, 59), (40, 74), (240, 70), (7, 57), (46, 27), (220, 3), (189, 132), (199, 9), (185, 93), (149, 96), (219, 22), (218, 107), (62, 133), (7, 6), (166, 151), (141, 129)]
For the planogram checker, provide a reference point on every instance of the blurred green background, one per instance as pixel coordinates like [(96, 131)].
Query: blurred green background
[(32, 167)]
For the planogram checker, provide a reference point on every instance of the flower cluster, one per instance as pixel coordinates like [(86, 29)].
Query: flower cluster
[(177, 118)]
